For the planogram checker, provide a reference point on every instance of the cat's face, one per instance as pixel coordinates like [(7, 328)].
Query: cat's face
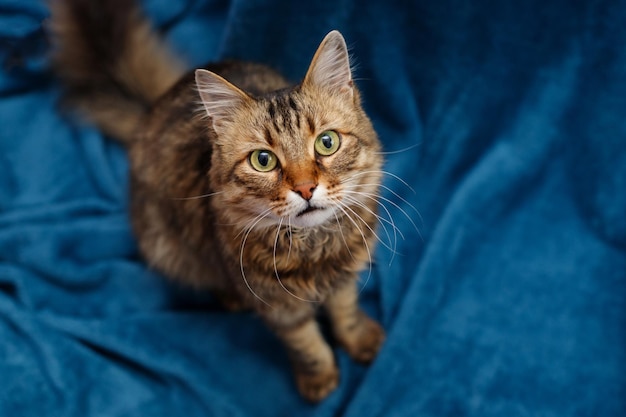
[(303, 166), (302, 157)]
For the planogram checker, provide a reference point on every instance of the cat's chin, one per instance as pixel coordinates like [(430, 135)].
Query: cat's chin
[(312, 218)]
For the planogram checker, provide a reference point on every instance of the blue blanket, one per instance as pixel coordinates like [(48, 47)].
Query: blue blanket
[(503, 292)]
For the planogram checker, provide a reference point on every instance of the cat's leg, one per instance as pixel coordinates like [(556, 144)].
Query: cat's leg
[(312, 359), (358, 334)]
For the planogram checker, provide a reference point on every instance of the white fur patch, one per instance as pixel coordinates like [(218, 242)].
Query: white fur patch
[(325, 209)]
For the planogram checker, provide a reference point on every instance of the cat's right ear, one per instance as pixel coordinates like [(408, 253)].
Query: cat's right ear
[(330, 67), (219, 97)]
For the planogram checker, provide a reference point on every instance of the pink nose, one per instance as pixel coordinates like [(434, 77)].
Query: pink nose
[(305, 189)]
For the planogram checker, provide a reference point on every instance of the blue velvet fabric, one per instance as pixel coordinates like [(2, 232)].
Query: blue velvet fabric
[(506, 296)]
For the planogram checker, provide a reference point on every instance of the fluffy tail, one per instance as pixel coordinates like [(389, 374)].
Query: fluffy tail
[(112, 62)]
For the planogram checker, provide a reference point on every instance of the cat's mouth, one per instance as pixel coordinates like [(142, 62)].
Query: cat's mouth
[(309, 209), (311, 216)]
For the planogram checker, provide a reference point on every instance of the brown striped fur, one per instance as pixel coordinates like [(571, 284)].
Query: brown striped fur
[(201, 213)]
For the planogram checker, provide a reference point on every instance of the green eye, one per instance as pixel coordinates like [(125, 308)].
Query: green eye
[(327, 143), (263, 161)]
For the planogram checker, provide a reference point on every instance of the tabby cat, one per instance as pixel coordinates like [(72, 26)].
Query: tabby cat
[(261, 191)]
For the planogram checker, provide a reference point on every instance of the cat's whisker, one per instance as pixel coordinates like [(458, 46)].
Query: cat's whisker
[(243, 244), (396, 205), (341, 206), (347, 207), (343, 237), (408, 148), (380, 171), (197, 197), (276, 267), (398, 196), (382, 222), (375, 198), (396, 230), (290, 236), (258, 217)]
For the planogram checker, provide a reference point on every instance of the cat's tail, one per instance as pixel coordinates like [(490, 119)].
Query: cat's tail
[(111, 61)]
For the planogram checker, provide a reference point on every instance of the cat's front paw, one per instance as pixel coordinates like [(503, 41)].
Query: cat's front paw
[(363, 341), (315, 386)]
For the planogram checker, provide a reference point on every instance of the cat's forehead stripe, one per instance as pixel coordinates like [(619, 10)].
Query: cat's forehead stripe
[(271, 109), (268, 137), (293, 104), (283, 112), (311, 123)]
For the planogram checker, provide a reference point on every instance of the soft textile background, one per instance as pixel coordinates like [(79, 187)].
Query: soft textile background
[(510, 301)]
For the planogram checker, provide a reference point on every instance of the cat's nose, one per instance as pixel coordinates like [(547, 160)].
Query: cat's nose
[(305, 189)]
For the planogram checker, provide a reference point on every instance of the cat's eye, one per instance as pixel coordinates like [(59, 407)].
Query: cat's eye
[(263, 161), (327, 143)]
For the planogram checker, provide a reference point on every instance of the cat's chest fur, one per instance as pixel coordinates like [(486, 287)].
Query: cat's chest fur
[(307, 263)]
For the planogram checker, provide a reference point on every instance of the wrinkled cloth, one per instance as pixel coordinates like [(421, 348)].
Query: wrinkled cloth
[(501, 273)]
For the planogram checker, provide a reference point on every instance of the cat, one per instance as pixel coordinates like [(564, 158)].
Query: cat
[(241, 183)]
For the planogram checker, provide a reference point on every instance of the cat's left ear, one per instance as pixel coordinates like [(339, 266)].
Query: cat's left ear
[(330, 67), (219, 97)]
